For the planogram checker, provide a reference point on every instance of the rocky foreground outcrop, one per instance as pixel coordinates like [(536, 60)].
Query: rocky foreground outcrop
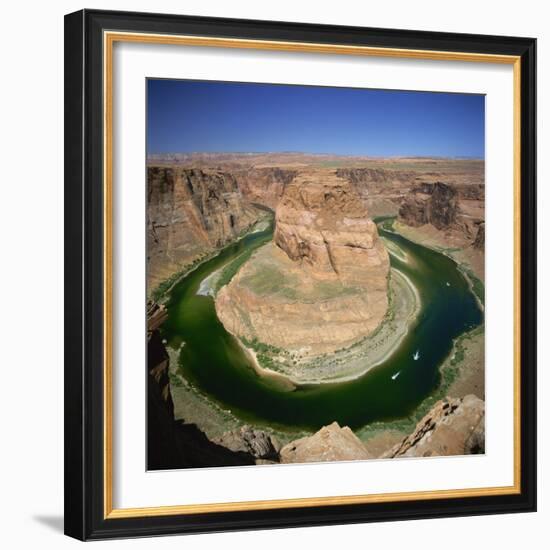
[(256, 443), (326, 264), (452, 427), (190, 212), (330, 443), (450, 208)]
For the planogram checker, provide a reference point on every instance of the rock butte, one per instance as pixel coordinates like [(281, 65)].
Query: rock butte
[(326, 265)]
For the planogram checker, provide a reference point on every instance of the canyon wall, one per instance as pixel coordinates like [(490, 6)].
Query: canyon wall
[(382, 190), (198, 203), (265, 185), (190, 212), (451, 208)]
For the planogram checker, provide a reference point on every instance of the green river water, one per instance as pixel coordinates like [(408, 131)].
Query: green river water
[(214, 363)]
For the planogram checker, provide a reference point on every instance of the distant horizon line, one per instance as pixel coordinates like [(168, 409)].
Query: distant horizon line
[(404, 156)]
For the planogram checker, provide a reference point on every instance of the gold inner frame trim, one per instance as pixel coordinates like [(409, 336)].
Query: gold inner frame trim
[(109, 39)]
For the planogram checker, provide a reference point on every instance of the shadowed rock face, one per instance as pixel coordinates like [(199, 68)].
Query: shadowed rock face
[(251, 441), (172, 443), (326, 265), (479, 241), (459, 209), (190, 212), (452, 427), (330, 443), (430, 203)]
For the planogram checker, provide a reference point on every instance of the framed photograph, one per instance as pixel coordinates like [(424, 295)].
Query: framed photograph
[(300, 274)]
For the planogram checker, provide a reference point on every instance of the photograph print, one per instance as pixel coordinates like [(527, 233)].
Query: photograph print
[(315, 274)]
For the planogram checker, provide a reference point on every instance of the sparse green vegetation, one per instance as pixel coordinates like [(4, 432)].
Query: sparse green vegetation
[(449, 372), (458, 355), (157, 294), (231, 269), (478, 288), (328, 366), (270, 280)]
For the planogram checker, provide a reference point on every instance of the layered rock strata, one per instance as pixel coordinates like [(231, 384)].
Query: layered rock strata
[(322, 284), (382, 190), (322, 224), (266, 185), (191, 212), (456, 209)]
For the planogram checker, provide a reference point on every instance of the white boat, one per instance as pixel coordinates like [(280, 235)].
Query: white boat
[(448, 284), (416, 355), (396, 375)]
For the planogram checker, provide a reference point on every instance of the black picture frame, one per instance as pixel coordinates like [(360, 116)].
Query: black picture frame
[(85, 516)]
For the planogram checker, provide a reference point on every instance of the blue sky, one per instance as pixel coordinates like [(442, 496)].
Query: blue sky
[(198, 116)]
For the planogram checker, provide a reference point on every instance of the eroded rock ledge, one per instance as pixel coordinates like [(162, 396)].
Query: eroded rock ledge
[(322, 224), (452, 427), (330, 443)]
